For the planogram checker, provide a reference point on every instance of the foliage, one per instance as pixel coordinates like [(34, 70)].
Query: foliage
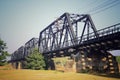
[(118, 59), (35, 61), (3, 53)]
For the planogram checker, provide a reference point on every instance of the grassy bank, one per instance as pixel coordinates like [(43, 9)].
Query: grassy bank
[(48, 75)]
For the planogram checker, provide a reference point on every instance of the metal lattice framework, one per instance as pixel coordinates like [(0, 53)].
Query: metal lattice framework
[(24, 51), (75, 34), (65, 31), (18, 54), (30, 45)]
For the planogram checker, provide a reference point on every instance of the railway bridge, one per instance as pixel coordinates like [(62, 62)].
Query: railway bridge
[(75, 35), (90, 47)]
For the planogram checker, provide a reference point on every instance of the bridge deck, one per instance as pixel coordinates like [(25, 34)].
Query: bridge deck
[(109, 39)]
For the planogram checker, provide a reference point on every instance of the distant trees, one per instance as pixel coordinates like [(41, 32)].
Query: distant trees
[(3, 53), (35, 61)]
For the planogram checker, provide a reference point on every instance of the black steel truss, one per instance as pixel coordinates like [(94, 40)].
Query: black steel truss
[(24, 51), (63, 36), (30, 45), (64, 32)]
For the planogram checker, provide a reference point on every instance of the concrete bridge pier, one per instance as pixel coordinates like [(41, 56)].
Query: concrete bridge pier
[(81, 64), (49, 63), (17, 65), (13, 65), (96, 61), (112, 64)]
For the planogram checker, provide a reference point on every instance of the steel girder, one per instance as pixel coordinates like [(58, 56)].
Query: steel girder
[(65, 31), (18, 54), (30, 45), (24, 51)]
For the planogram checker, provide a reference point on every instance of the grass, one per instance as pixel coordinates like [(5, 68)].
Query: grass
[(48, 75), (6, 67)]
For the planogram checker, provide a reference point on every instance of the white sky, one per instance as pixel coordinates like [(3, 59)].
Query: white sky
[(20, 20)]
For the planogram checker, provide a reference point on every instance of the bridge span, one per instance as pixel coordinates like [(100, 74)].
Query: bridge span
[(76, 36), (62, 38)]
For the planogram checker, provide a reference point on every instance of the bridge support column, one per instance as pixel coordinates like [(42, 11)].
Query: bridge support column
[(74, 66), (14, 65), (97, 61), (49, 63), (112, 64), (22, 64), (17, 65), (81, 64)]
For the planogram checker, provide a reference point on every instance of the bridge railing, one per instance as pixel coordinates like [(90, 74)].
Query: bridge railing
[(102, 32), (109, 30)]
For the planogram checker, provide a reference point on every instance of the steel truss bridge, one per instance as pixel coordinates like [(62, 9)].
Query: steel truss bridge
[(76, 35), (19, 55)]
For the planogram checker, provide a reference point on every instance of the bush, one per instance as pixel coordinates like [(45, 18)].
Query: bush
[(35, 61)]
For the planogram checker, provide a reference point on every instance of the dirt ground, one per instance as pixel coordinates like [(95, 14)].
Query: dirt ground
[(49, 75)]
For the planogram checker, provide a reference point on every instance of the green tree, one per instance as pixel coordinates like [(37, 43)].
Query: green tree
[(3, 53), (35, 61)]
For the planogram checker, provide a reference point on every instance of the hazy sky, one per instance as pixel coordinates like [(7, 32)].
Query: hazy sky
[(20, 20)]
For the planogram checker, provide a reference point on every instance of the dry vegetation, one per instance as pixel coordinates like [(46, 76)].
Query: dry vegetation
[(6, 67), (48, 75), (8, 73)]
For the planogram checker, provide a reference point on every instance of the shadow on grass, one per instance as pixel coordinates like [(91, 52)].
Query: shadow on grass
[(102, 74), (107, 75)]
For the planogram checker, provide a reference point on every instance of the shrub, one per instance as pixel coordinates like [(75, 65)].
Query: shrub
[(35, 61)]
